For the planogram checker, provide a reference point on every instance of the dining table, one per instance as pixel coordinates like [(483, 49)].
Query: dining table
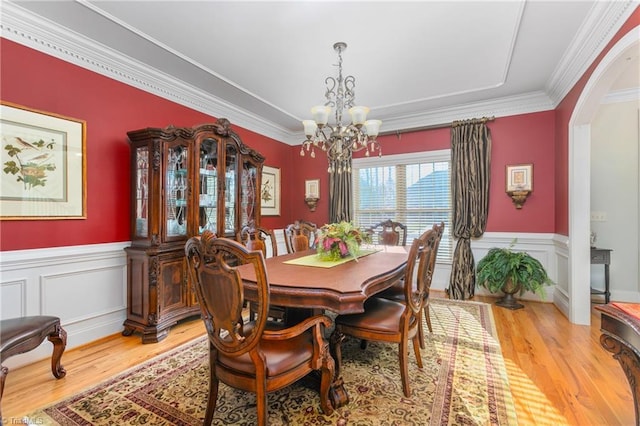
[(303, 280)]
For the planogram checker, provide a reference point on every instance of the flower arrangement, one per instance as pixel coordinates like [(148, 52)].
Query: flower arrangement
[(339, 240)]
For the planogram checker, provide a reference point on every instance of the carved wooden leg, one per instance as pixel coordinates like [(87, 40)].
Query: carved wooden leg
[(630, 363), (328, 371), (59, 340), (213, 387), (338, 394)]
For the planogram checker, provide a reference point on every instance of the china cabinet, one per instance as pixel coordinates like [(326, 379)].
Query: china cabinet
[(183, 181)]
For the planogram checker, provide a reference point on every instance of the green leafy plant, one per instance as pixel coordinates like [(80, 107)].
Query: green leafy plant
[(338, 240), (500, 265)]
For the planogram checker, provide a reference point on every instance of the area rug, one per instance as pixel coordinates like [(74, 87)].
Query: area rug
[(463, 382)]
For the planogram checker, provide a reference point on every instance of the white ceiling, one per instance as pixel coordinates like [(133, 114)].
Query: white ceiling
[(263, 64)]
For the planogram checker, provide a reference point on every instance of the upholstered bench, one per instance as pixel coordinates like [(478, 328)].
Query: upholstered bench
[(20, 335)]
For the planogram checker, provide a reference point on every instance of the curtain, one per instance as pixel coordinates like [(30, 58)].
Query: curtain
[(340, 192), (470, 173)]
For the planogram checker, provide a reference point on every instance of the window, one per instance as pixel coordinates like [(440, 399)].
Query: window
[(413, 189)]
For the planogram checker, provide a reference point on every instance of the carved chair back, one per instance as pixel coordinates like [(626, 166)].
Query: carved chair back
[(388, 233), (299, 236)]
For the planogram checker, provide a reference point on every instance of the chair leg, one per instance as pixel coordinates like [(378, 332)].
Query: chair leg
[(427, 316), (327, 373), (59, 340), (213, 387), (416, 351), (403, 355), (335, 343), (261, 404)]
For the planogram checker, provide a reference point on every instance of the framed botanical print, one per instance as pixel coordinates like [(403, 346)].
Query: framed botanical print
[(43, 165), (270, 191)]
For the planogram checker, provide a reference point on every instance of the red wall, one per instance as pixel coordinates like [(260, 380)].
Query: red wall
[(519, 139), (110, 109)]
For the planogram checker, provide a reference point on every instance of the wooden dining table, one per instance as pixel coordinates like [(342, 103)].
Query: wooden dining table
[(298, 280)]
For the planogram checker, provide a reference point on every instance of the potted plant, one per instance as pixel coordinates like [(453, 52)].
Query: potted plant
[(503, 269)]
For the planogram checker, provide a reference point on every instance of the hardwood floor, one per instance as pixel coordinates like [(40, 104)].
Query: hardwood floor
[(558, 372)]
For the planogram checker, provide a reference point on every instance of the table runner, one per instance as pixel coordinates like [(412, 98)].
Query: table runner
[(314, 260)]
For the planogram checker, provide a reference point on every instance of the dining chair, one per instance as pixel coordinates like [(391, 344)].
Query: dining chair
[(259, 238), (255, 356), (396, 292), (390, 321), (388, 233), (255, 238), (300, 235)]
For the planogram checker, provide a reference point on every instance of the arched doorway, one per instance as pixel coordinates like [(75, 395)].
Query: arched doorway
[(607, 71)]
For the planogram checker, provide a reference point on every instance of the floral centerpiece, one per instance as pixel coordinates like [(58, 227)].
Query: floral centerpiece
[(339, 240)]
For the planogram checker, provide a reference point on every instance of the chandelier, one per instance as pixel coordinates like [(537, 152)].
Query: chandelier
[(340, 141)]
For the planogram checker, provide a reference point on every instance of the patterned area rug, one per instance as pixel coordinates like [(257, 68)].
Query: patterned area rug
[(463, 382)]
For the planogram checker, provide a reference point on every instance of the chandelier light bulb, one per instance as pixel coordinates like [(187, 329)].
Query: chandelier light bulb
[(310, 128), (320, 114), (358, 115), (372, 127)]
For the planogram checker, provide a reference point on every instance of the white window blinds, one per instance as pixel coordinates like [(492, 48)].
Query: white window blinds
[(413, 189)]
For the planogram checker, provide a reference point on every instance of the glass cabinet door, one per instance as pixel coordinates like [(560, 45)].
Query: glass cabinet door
[(142, 192), (230, 190), (176, 190), (248, 193), (208, 186)]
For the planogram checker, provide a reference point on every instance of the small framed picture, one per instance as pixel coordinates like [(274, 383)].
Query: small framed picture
[(519, 177), (312, 188), (270, 191)]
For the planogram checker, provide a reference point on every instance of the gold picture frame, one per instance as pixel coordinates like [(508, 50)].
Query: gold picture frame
[(43, 159), (270, 192), (519, 178)]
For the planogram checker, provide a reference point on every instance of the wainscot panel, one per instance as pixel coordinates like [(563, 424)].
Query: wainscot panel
[(83, 285)]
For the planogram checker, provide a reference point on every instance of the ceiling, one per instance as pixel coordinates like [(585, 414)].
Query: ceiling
[(263, 64)]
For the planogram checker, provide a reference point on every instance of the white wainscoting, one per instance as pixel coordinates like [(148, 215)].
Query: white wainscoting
[(86, 285)]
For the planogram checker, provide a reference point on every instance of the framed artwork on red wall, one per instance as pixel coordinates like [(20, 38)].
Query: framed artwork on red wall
[(270, 191), (520, 177), (43, 159)]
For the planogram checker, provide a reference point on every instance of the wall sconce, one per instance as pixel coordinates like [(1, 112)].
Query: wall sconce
[(312, 193), (519, 183)]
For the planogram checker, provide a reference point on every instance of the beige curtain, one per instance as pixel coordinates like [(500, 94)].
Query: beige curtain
[(340, 193), (470, 173)]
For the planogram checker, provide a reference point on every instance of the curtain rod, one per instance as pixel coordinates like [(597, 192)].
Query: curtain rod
[(438, 126)]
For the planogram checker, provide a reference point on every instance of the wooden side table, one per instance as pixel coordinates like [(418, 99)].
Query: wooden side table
[(600, 256)]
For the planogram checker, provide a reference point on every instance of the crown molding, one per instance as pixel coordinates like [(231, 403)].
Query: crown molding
[(501, 107), (22, 27), (46, 36), (597, 30), (627, 95)]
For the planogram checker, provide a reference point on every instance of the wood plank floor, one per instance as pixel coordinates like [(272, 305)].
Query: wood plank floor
[(558, 372)]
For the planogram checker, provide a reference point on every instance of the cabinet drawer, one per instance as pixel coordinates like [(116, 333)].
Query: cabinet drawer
[(600, 257)]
